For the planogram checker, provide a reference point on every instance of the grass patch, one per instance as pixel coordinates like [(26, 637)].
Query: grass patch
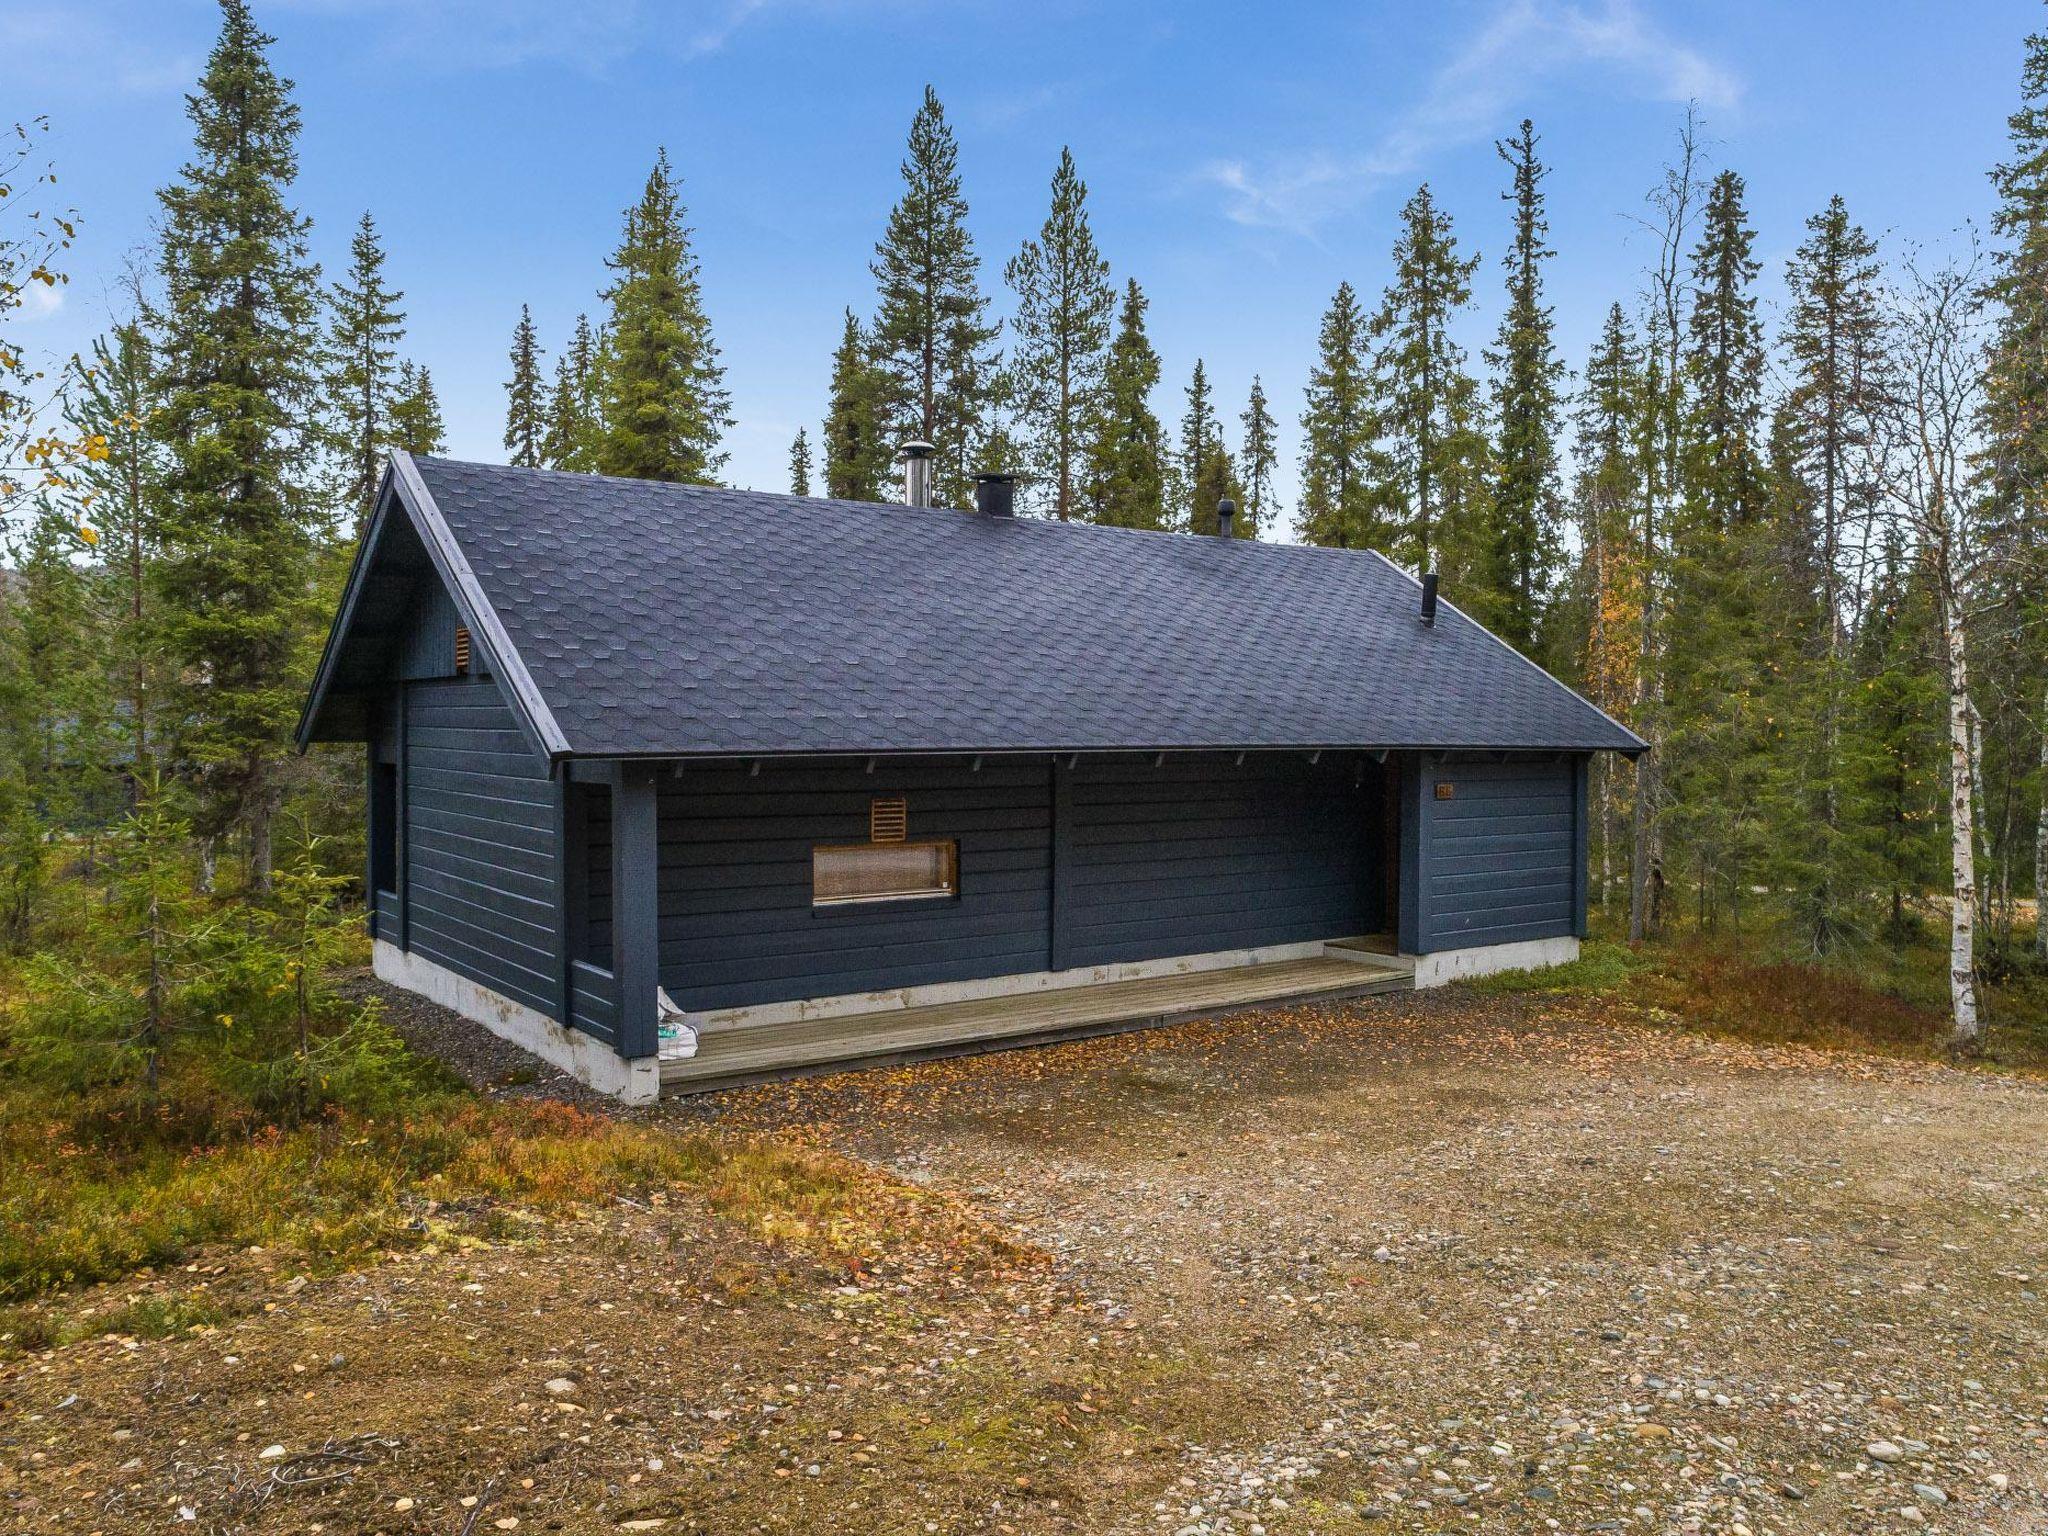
[(1602, 966), (339, 1192)]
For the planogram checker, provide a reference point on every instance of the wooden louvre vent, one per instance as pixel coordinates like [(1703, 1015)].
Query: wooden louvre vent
[(461, 651), (888, 819)]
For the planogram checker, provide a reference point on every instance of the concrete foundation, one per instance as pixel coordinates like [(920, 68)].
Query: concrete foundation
[(1448, 965), (589, 1061)]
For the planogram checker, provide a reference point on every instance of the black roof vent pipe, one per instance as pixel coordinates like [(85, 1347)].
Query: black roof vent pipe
[(995, 495), (1226, 517), (1429, 599)]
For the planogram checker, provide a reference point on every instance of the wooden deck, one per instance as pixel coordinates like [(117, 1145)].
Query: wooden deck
[(751, 1053)]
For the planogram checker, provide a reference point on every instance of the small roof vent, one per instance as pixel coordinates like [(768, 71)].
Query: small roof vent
[(461, 650), (995, 495)]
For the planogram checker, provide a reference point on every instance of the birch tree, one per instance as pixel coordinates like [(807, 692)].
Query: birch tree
[(1928, 465)]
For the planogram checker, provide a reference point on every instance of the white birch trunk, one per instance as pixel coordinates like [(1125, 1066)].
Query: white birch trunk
[(1966, 1027)]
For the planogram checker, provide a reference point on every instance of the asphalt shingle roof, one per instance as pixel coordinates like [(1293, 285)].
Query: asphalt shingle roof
[(670, 620)]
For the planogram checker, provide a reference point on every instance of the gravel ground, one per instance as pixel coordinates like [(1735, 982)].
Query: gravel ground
[(1472, 1263), (1432, 1263)]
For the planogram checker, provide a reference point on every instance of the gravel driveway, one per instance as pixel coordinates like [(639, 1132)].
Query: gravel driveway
[(1476, 1263)]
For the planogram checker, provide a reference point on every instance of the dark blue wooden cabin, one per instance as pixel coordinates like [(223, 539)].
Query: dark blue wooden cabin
[(652, 767)]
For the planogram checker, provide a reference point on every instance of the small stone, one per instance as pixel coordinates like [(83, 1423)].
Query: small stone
[(1652, 1432), (270, 1453), (1883, 1450), (560, 1385), (401, 1505), (1927, 1493), (1791, 1491)]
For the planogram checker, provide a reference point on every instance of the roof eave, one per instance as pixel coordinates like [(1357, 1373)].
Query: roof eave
[(402, 486)]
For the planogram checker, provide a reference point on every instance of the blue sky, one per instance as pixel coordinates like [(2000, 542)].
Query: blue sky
[(1238, 167)]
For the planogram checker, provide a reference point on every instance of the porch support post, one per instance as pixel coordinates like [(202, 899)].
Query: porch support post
[(1581, 839), (636, 938), (1410, 925)]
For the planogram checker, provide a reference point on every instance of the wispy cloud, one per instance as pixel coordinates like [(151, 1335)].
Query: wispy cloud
[(500, 34), (1525, 44), (58, 47)]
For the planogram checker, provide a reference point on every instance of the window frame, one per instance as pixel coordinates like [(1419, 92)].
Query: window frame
[(948, 892)]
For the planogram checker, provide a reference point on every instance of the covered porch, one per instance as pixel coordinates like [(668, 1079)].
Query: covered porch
[(733, 1050)]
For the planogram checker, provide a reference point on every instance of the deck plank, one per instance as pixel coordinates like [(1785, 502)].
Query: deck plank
[(749, 1053)]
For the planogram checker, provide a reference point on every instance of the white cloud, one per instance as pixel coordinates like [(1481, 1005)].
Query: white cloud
[(39, 301), (61, 49), (588, 34), (1477, 92)]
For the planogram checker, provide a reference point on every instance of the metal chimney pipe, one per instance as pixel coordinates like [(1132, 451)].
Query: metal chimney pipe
[(1429, 599), (995, 495), (1226, 517), (917, 472)]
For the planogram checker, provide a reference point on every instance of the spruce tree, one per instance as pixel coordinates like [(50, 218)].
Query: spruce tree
[(1061, 331), (525, 403), (1724, 365), (1610, 442), (1257, 458), (571, 432), (1126, 469), (1435, 448), (1835, 349), (1215, 479), (121, 490), (930, 334), (1720, 718), (363, 336), (1343, 472), (416, 424), (858, 452), (1894, 731), (800, 464), (1521, 545), (1197, 426), (236, 336), (2016, 403), (662, 401)]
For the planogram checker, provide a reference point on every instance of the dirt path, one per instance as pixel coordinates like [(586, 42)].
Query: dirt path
[(1418, 1264)]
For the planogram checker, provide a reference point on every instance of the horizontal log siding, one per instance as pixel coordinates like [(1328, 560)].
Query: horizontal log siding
[(737, 925), (1201, 853), (480, 856), (1501, 854)]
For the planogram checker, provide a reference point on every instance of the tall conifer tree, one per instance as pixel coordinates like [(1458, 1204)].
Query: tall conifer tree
[(123, 493), (1720, 719), (236, 336), (572, 404), (1521, 544), (1061, 338), (1126, 469), (2016, 404), (1257, 456), (930, 332), (363, 337), (858, 451), (1343, 472), (416, 424), (1434, 444), (1835, 350), (525, 398), (800, 464), (1197, 426), (662, 401)]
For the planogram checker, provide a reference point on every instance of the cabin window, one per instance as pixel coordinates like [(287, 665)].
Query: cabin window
[(589, 860), (384, 828), (864, 872)]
